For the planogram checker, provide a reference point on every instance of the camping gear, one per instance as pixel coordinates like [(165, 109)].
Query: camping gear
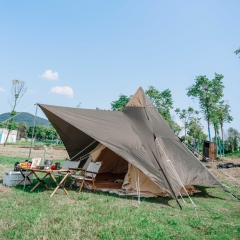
[(57, 164), (40, 167), (137, 135), (15, 167), (12, 178), (53, 167), (88, 174), (68, 165), (48, 162), (228, 165), (48, 173)]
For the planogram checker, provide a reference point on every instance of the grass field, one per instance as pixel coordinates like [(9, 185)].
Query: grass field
[(235, 154), (88, 215)]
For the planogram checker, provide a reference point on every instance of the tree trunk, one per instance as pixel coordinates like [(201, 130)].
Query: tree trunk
[(222, 140), (216, 140), (209, 133), (14, 106), (9, 130), (185, 132)]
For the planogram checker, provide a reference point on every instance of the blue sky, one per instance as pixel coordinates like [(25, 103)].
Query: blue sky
[(91, 51)]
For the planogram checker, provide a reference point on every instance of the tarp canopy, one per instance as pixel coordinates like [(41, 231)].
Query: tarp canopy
[(137, 134)]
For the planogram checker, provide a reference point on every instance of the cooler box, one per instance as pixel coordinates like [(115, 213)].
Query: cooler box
[(11, 178)]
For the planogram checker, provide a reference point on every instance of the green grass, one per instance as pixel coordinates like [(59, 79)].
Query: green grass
[(39, 144), (11, 160), (88, 215), (235, 154)]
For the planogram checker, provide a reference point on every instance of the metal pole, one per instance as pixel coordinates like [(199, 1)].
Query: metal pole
[(33, 132)]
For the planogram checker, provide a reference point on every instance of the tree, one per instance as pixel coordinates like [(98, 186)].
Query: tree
[(22, 130), (120, 104), (223, 115), (51, 133), (196, 131), (237, 52), (208, 92), (3, 124), (185, 115), (175, 127), (162, 101), (233, 138), (18, 90), (43, 132)]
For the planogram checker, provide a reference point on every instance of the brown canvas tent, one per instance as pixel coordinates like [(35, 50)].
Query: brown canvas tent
[(135, 139)]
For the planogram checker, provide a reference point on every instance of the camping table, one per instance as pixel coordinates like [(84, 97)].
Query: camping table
[(49, 173), (25, 176)]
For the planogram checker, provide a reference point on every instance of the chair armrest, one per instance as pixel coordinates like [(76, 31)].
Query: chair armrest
[(78, 169)]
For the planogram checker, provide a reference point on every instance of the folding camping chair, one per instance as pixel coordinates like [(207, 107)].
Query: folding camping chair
[(67, 165), (88, 174)]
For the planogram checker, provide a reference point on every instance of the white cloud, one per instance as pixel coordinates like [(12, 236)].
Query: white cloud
[(49, 74), (65, 90), (2, 89)]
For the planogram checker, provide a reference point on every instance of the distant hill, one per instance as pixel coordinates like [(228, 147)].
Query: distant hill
[(27, 118)]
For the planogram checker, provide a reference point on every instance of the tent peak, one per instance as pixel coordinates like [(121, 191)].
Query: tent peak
[(140, 99)]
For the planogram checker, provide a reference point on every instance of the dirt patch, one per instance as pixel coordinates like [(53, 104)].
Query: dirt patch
[(234, 172), (15, 151)]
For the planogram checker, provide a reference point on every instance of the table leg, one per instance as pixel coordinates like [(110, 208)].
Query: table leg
[(40, 181), (24, 177), (59, 184)]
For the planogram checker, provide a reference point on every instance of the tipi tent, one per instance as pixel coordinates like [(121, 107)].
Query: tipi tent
[(134, 142)]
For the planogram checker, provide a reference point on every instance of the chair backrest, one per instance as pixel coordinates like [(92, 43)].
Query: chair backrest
[(94, 167), (70, 164)]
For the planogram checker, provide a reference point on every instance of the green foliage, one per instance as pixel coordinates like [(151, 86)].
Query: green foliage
[(175, 127), (233, 139), (186, 115), (196, 130), (120, 104), (237, 52), (43, 132), (162, 101), (223, 113), (220, 113), (235, 154), (208, 92)]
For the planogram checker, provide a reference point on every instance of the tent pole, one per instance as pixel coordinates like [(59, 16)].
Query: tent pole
[(34, 123), (30, 150), (179, 204), (234, 196), (83, 149)]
